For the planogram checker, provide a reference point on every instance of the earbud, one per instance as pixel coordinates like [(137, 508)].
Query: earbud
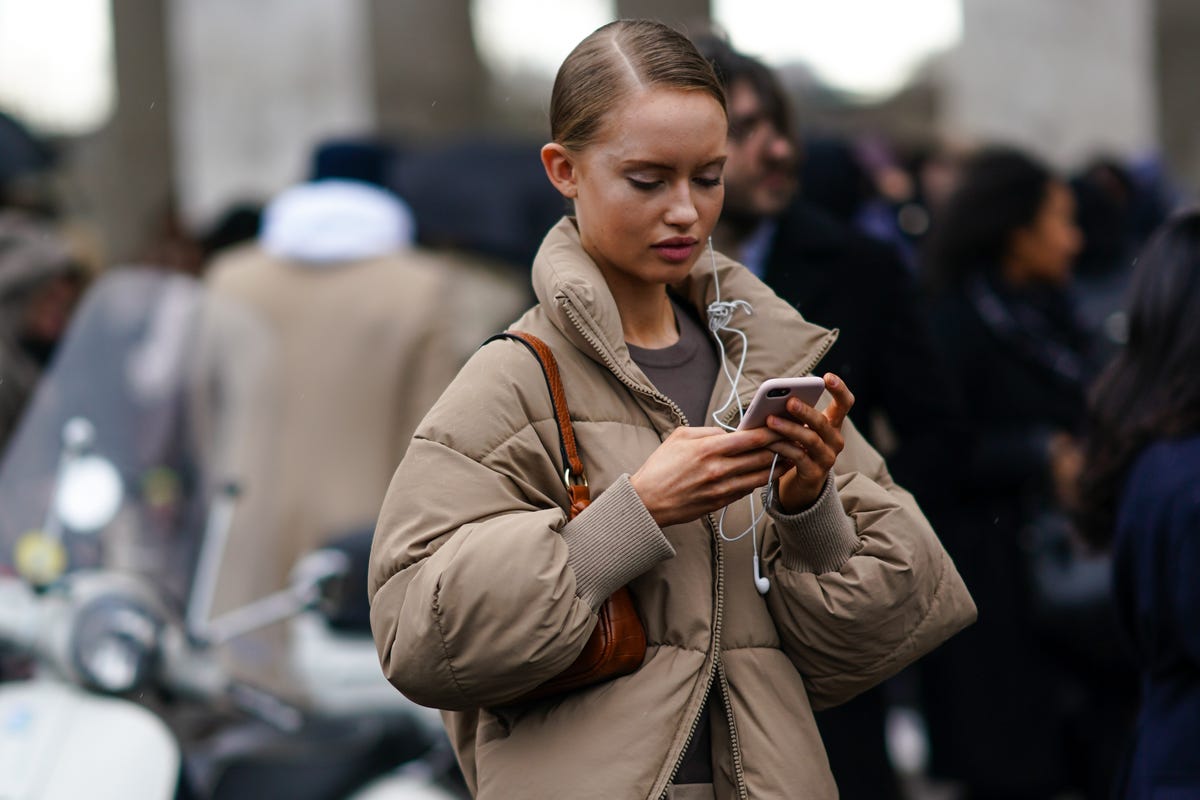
[(760, 581)]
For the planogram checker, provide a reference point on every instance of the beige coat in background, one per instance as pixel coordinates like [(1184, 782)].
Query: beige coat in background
[(327, 369)]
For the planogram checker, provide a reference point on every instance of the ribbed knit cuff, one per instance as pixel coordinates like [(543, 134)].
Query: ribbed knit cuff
[(612, 541), (819, 539)]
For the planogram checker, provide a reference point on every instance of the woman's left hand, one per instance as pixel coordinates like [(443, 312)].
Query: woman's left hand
[(811, 443)]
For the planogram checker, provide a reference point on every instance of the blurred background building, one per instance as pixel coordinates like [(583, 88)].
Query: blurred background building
[(164, 114)]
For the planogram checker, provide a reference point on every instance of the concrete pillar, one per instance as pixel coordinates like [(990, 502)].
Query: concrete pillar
[(681, 14), (1177, 64), (1067, 80), (120, 178), (429, 80), (256, 86)]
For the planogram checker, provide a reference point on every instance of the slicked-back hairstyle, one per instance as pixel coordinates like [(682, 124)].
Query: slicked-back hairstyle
[(614, 61)]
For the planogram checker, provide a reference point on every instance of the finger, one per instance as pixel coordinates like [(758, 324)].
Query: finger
[(745, 441), (735, 488), (749, 462), (811, 428), (821, 447), (713, 471), (805, 414), (697, 432), (843, 400), (789, 452)]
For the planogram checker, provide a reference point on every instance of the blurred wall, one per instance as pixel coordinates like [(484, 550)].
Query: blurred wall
[(1178, 64), (428, 79), (682, 14), (1067, 78), (223, 100), (256, 85), (119, 179)]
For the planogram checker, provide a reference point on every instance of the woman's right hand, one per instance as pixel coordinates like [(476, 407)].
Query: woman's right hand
[(696, 471)]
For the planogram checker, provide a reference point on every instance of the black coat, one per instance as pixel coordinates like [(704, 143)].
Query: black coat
[(839, 278), (1037, 720)]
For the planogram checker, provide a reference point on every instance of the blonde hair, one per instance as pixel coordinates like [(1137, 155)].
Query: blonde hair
[(611, 63)]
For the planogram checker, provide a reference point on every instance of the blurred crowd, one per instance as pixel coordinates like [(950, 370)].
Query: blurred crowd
[(978, 293)]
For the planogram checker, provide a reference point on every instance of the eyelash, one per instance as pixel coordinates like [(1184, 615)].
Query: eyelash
[(647, 186)]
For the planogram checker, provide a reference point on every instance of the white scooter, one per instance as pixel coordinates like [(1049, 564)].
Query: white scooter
[(107, 575), (103, 641), (107, 649)]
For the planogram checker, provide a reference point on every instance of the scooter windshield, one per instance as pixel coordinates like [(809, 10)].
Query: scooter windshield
[(141, 397)]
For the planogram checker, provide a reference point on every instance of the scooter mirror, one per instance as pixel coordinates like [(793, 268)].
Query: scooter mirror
[(89, 494)]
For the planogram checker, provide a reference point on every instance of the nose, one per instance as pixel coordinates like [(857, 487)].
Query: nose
[(779, 146), (682, 212)]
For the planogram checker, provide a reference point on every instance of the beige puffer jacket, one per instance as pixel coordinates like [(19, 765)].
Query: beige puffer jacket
[(481, 589)]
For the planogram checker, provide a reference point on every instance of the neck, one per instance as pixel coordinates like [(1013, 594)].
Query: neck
[(647, 318)]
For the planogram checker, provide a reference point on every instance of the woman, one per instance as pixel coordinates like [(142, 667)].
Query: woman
[(481, 587), (999, 263), (1141, 497)]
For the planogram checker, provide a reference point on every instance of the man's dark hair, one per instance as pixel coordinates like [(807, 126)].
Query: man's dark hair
[(733, 67)]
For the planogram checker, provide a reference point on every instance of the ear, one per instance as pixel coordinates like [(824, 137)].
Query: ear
[(560, 169)]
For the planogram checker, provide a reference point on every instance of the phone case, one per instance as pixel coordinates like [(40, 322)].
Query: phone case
[(773, 395)]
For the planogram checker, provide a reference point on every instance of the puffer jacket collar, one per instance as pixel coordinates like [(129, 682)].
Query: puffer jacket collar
[(572, 290)]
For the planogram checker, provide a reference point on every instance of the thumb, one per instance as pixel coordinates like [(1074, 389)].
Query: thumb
[(843, 400)]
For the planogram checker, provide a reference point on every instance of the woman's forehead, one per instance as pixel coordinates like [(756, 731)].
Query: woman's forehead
[(664, 126)]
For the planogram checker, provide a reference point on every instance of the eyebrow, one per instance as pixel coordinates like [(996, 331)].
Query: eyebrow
[(640, 164)]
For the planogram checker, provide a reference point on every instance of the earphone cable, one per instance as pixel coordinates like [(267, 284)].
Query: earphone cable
[(720, 313)]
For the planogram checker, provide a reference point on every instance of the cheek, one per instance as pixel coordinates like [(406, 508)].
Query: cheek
[(710, 203), (603, 208), (1068, 241)]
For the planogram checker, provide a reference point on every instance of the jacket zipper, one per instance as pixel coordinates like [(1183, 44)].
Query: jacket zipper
[(612, 366), (716, 669), (713, 670), (743, 790)]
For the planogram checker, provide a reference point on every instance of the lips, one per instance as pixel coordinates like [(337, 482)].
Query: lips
[(677, 249)]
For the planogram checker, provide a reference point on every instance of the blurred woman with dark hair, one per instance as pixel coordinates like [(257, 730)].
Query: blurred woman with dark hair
[(998, 264), (1140, 495)]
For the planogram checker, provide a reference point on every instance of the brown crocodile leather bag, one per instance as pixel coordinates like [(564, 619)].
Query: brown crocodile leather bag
[(618, 642)]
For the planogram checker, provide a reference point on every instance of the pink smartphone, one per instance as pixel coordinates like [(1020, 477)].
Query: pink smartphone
[(773, 395)]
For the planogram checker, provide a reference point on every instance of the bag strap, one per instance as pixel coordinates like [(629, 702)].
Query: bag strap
[(574, 477)]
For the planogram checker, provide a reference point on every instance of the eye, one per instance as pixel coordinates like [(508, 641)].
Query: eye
[(643, 186), (708, 183)]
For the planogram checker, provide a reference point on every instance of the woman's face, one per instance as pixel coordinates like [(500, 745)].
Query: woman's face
[(1044, 250), (648, 190)]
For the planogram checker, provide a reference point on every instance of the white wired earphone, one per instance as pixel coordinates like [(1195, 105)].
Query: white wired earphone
[(720, 312)]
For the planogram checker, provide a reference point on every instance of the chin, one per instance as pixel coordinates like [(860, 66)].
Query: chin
[(775, 203), (671, 274)]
